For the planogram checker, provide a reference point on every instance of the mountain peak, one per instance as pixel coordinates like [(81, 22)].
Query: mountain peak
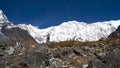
[(3, 19), (73, 23), (73, 30), (1, 11)]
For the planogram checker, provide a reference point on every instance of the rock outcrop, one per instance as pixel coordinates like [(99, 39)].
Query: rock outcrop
[(115, 34), (18, 36)]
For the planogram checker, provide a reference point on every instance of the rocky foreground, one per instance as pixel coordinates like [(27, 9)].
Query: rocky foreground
[(104, 53), (45, 56)]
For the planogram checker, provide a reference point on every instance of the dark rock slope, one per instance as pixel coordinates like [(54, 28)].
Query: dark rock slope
[(115, 34), (18, 36)]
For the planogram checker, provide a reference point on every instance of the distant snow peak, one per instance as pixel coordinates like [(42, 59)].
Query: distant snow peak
[(3, 19), (72, 30), (2, 16), (1, 11)]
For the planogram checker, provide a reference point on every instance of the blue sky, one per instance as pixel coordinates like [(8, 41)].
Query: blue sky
[(45, 13)]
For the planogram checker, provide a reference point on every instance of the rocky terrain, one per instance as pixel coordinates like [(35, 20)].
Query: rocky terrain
[(97, 54)]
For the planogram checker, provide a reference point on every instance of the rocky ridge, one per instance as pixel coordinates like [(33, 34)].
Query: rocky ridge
[(115, 34)]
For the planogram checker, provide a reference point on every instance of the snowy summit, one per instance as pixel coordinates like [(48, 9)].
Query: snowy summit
[(3, 18), (71, 30)]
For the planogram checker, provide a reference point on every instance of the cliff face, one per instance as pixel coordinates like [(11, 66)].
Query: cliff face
[(115, 34), (17, 35)]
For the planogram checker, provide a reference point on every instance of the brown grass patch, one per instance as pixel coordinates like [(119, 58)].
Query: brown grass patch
[(88, 43)]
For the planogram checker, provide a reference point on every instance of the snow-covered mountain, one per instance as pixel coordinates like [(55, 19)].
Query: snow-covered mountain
[(13, 35), (3, 19), (71, 30)]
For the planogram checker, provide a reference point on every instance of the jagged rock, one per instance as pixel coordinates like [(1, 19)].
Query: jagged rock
[(97, 64), (113, 59), (10, 51), (38, 57), (55, 63), (76, 52), (2, 63), (115, 34)]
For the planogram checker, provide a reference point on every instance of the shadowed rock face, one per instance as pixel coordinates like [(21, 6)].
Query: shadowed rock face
[(18, 35), (115, 34), (112, 60)]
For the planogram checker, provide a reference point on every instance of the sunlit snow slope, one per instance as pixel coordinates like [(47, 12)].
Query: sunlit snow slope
[(73, 30), (4, 21)]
